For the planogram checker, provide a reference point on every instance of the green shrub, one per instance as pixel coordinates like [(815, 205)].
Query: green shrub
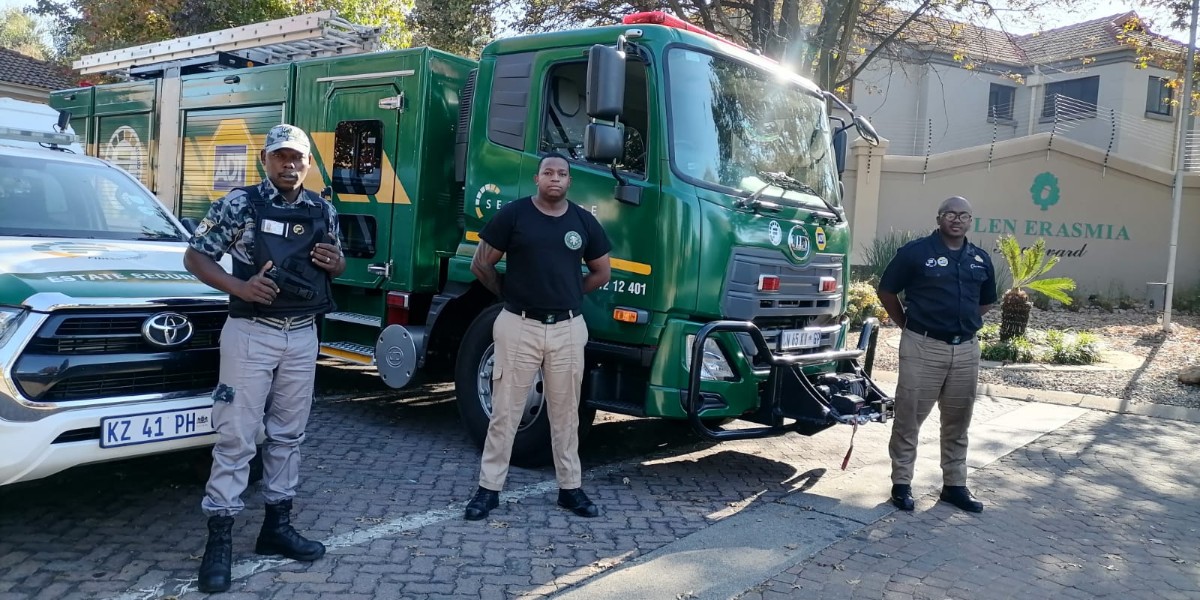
[(989, 332), (1018, 349), (1186, 300), (1079, 349), (883, 249), (863, 302)]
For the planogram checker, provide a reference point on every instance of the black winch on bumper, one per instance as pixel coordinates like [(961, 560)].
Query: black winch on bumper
[(812, 403)]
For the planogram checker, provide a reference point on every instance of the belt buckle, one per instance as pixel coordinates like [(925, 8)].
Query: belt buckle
[(549, 319), (956, 340)]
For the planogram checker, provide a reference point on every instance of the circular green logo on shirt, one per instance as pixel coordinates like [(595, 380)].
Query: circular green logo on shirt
[(573, 240)]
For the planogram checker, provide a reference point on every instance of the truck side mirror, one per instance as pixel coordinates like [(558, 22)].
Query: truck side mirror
[(605, 83), (866, 130), (603, 143), (839, 149)]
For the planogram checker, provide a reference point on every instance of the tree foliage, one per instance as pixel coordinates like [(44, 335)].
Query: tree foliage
[(22, 33), (87, 26), (462, 27), (832, 41)]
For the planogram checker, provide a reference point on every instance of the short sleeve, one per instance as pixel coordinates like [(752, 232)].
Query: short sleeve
[(988, 295), (598, 243), (898, 273), (498, 231), (219, 228)]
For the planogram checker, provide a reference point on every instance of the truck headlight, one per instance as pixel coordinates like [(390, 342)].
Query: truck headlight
[(714, 367), (9, 318)]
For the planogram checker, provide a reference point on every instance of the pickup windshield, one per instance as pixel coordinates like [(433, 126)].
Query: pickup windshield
[(731, 122), (50, 198)]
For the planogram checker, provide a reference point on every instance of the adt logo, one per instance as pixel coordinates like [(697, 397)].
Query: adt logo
[(229, 167), (1045, 190)]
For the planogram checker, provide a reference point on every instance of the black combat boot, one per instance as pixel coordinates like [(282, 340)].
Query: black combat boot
[(218, 556), (279, 537)]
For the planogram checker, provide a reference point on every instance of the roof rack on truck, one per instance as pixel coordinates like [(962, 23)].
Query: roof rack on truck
[(281, 40)]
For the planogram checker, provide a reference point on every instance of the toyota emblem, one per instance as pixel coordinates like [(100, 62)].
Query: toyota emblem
[(167, 329)]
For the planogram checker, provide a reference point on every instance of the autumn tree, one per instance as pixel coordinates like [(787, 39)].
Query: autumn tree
[(830, 40), (86, 26)]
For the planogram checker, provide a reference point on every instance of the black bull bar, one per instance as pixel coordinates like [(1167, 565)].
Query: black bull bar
[(813, 403)]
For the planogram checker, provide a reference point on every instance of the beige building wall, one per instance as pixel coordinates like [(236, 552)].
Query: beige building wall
[(1111, 225)]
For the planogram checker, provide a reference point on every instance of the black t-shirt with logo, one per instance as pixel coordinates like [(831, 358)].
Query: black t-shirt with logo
[(544, 254)]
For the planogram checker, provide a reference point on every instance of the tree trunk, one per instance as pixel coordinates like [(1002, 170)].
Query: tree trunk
[(1014, 314)]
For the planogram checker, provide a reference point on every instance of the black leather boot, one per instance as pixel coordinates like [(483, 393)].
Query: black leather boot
[(218, 556), (279, 537)]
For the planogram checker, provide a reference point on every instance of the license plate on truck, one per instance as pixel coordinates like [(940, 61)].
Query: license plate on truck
[(795, 339), (158, 426)]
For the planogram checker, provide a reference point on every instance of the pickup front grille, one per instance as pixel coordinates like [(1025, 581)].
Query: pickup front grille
[(82, 354)]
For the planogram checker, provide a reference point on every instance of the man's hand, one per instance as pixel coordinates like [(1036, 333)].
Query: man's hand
[(328, 257), (259, 288)]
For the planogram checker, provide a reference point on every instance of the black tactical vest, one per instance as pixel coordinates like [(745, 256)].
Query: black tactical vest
[(285, 237)]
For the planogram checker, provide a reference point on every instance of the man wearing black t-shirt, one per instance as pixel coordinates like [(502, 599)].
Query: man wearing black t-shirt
[(544, 238)]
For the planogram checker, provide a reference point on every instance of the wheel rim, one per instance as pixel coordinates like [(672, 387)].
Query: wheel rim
[(534, 401)]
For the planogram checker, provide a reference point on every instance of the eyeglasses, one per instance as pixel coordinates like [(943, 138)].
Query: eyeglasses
[(961, 217)]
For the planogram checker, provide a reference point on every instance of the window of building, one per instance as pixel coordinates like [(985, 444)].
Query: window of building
[(1075, 98), (357, 154), (1000, 102), (1159, 95), (565, 118)]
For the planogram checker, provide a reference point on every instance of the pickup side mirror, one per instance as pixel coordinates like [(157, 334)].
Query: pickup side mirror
[(605, 83), (603, 143), (64, 120)]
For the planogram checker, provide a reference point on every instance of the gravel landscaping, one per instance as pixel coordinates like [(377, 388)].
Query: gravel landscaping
[(1136, 332)]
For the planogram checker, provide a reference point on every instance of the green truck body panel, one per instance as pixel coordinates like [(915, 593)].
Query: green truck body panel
[(384, 128)]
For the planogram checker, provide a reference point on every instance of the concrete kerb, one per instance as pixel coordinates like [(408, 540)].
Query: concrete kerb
[(1116, 405)]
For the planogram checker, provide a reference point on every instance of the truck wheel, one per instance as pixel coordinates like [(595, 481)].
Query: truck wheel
[(473, 387)]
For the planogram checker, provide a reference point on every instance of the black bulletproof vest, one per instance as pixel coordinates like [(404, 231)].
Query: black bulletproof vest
[(285, 237)]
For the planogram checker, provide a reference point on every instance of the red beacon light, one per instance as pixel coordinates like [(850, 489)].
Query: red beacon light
[(658, 17)]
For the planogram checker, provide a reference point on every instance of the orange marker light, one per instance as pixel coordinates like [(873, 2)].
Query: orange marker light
[(625, 315)]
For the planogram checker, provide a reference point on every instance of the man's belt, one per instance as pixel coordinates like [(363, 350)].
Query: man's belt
[(545, 317), (953, 339), (285, 323)]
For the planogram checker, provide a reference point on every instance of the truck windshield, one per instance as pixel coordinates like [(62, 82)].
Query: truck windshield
[(733, 126), (53, 198)]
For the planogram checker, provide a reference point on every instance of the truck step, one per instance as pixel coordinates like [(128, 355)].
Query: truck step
[(357, 319), (350, 352)]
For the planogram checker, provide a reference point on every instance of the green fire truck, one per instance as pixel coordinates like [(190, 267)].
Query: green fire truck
[(715, 172)]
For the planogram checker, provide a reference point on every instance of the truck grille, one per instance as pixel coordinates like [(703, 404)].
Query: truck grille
[(799, 292), (81, 354)]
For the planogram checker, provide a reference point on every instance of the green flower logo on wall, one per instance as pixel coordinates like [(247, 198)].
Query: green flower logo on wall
[(1045, 190)]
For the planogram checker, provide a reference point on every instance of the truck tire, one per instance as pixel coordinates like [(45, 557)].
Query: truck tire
[(473, 388)]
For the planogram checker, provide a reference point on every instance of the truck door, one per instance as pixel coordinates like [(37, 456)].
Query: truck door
[(561, 113), (358, 143)]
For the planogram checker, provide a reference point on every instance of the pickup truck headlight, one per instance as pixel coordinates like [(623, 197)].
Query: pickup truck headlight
[(714, 367), (9, 318)]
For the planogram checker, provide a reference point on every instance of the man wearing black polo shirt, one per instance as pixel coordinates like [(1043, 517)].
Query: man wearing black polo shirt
[(545, 238), (948, 285)]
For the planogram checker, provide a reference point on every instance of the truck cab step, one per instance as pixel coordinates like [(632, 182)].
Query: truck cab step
[(349, 352), (356, 318)]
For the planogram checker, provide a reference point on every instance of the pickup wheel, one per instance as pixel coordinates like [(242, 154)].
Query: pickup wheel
[(473, 387)]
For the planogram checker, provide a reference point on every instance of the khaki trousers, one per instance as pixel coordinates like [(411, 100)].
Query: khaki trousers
[(522, 347), (934, 372)]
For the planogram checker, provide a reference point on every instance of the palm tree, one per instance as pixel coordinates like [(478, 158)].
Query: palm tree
[(1028, 267)]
